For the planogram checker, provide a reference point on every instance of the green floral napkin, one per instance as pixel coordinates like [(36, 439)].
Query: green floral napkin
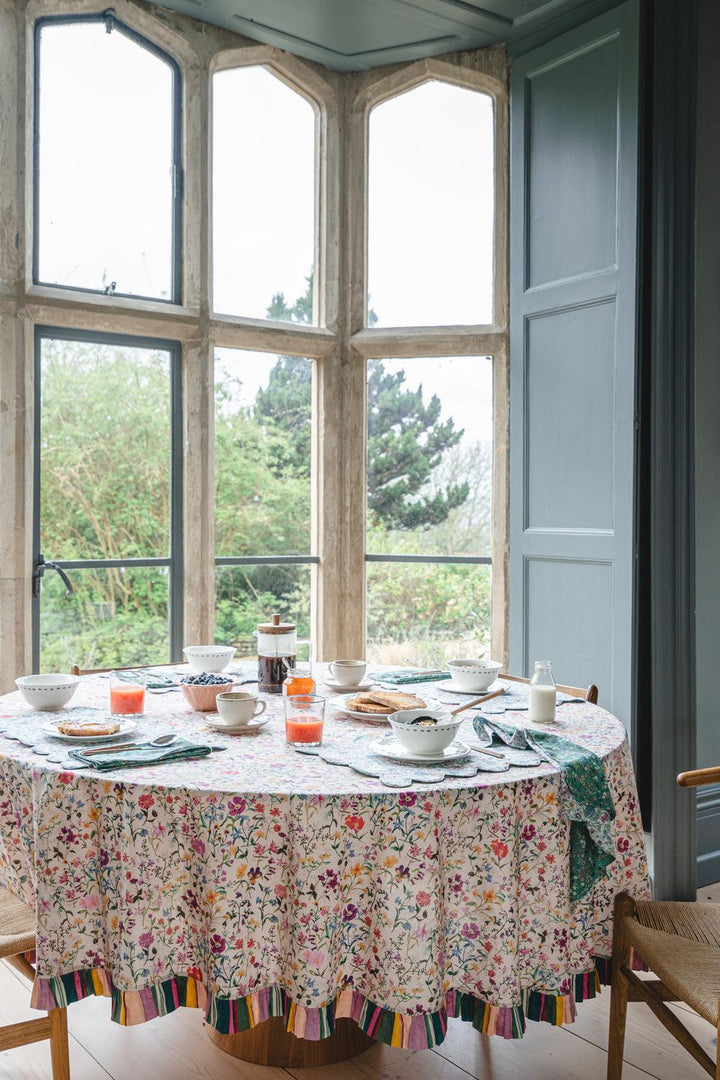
[(181, 750), (407, 675), (586, 798)]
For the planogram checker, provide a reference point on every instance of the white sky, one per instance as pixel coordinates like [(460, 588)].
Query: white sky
[(431, 207), (105, 162)]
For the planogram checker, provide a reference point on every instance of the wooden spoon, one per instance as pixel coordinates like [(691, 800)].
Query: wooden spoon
[(479, 701)]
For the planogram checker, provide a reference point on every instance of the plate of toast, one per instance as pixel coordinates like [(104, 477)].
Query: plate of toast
[(377, 705), (89, 730)]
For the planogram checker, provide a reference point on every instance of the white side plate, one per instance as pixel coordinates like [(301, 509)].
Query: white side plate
[(450, 686), (390, 747), (340, 703), (126, 726)]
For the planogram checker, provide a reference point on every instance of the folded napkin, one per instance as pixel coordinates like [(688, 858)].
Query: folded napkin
[(153, 680), (407, 675), (585, 794), (181, 750)]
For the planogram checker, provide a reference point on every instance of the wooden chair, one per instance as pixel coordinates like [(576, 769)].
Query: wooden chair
[(680, 943), (77, 670), (17, 936), (589, 694)]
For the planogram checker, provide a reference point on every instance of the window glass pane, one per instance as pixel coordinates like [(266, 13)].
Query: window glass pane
[(430, 456), (262, 453), (114, 617), (248, 595), (105, 162), (104, 451), (263, 197), (424, 614), (431, 208)]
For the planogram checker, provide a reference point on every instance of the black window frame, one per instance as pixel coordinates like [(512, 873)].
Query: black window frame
[(112, 24), (174, 561)]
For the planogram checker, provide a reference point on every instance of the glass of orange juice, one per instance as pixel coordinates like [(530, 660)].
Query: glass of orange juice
[(126, 698), (304, 716)]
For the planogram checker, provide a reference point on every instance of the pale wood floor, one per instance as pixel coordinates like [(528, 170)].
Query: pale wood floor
[(177, 1048)]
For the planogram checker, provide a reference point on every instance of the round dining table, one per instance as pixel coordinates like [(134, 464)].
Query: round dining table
[(306, 907)]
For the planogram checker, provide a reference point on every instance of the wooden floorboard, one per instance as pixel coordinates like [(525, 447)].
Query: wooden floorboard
[(709, 894), (647, 1044), (33, 1062), (176, 1047), (546, 1053)]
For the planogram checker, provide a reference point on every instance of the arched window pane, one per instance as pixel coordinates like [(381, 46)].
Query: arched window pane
[(263, 197), (105, 162), (430, 208)]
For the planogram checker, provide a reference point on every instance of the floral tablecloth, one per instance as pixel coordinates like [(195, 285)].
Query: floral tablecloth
[(260, 882)]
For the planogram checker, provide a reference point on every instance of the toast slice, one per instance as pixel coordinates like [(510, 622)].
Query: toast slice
[(395, 699), (357, 705)]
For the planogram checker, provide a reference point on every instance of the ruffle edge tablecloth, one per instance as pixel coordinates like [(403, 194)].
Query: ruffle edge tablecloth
[(267, 888)]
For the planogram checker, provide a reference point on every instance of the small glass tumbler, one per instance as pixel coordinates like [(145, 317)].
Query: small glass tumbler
[(304, 716), (126, 698)]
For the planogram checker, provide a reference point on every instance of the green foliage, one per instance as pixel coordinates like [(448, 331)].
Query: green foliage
[(261, 508), (247, 594), (286, 402), (423, 613), (106, 494), (406, 437), (406, 442), (105, 441)]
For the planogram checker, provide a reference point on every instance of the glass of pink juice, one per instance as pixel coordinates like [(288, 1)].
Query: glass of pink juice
[(304, 716), (126, 699)]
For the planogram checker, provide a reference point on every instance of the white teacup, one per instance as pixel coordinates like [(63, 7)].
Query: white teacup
[(237, 708), (348, 672)]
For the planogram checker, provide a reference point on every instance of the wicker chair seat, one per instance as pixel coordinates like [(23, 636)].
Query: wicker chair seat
[(693, 921), (685, 955), (17, 925)]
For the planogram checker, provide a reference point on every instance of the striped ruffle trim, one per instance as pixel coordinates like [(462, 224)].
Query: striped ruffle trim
[(412, 1031)]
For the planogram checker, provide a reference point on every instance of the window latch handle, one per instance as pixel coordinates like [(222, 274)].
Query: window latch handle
[(41, 565)]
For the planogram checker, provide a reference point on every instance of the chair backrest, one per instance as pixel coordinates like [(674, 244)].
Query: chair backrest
[(699, 777), (76, 670), (589, 693)]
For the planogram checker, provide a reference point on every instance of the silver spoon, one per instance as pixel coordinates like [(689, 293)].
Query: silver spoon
[(159, 740)]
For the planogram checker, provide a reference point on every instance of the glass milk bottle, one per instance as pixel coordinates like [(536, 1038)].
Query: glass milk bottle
[(543, 694)]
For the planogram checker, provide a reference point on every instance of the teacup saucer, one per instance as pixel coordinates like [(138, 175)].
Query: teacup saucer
[(452, 688), (333, 684), (245, 729), (390, 747)]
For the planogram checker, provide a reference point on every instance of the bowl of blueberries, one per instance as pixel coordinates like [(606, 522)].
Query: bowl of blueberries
[(201, 690)]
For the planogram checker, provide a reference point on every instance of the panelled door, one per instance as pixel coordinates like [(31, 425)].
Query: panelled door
[(573, 329)]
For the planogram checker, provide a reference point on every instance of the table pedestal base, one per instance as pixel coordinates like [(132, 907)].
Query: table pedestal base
[(271, 1044)]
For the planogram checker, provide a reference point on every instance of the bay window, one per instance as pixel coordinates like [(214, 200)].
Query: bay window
[(297, 279)]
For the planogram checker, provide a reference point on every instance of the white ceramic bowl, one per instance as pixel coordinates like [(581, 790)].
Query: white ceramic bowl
[(208, 657), (47, 692), (425, 740), (473, 674)]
